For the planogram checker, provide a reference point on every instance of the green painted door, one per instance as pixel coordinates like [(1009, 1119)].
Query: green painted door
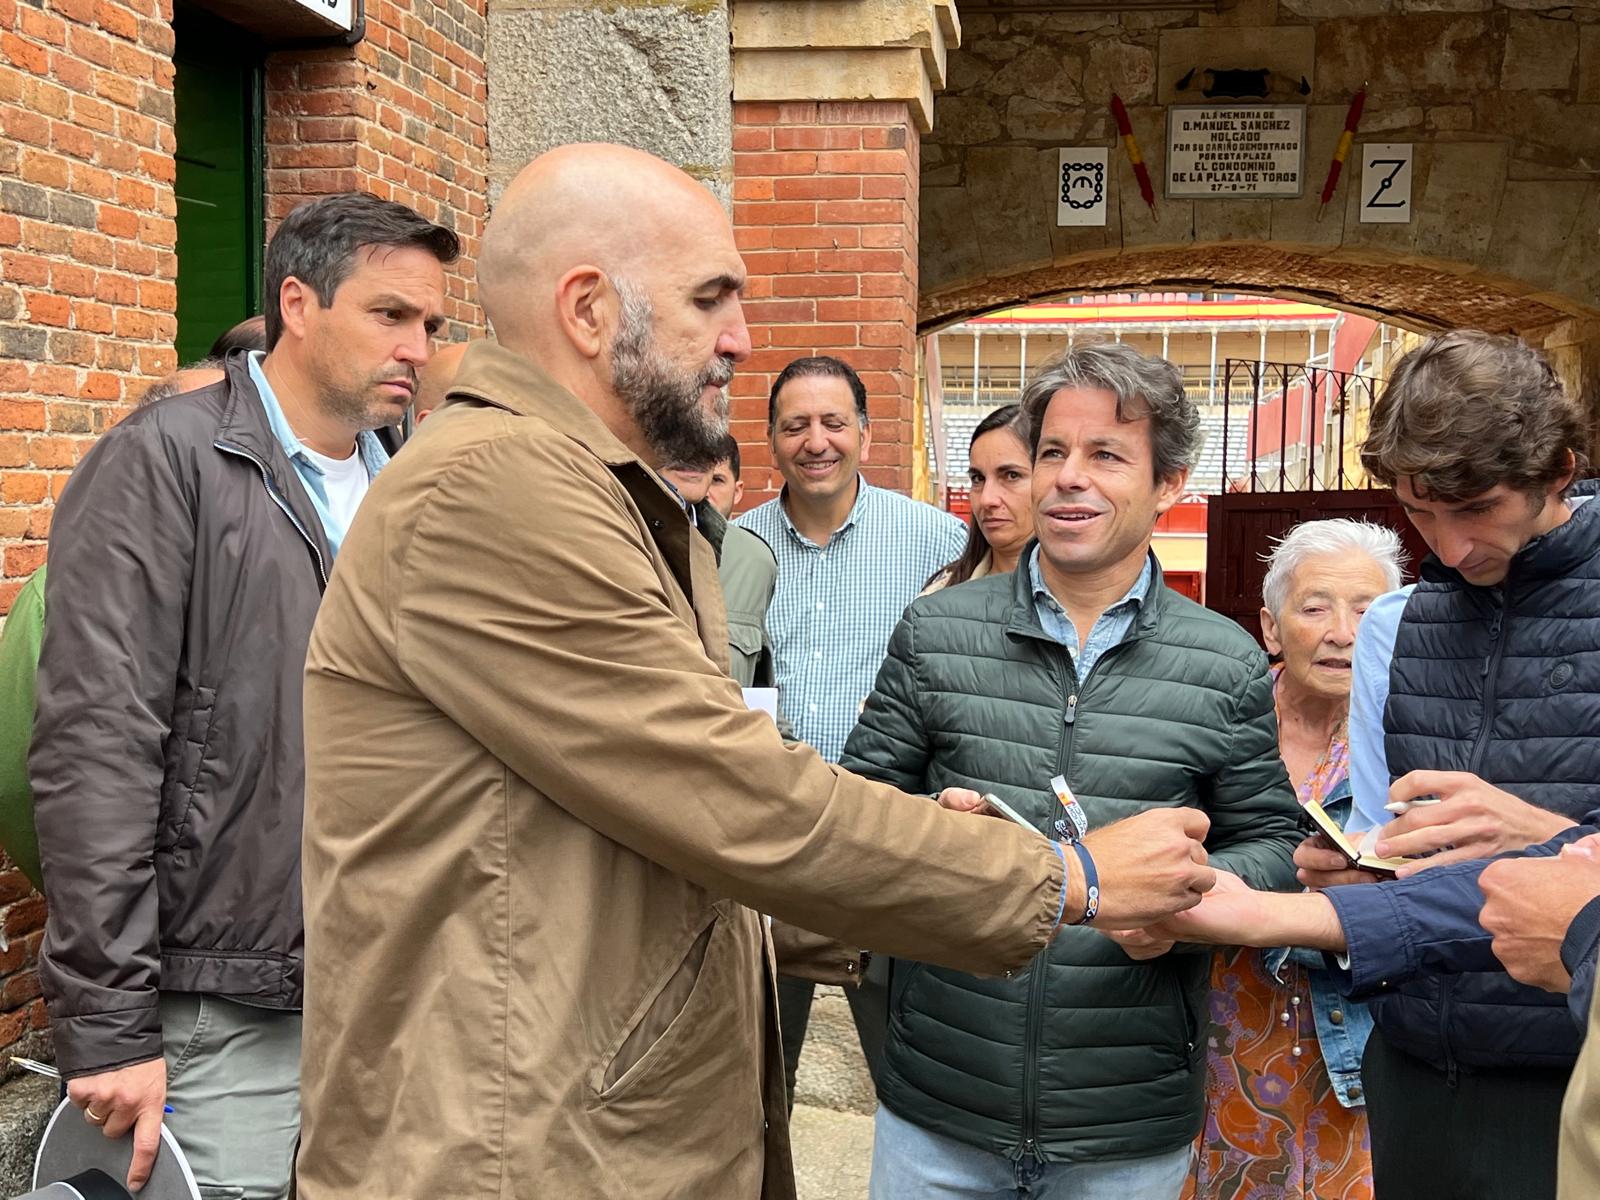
[(219, 126)]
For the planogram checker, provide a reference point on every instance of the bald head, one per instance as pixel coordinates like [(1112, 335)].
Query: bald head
[(623, 211), (434, 381), (617, 274), (189, 378)]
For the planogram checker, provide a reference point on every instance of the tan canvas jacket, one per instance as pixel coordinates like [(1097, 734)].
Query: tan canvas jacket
[(540, 823), (807, 955), (1578, 1172)]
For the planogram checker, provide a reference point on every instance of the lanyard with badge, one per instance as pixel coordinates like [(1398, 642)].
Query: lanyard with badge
[(1070, 829)]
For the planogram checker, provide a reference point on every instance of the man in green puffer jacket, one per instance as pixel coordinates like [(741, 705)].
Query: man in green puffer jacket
[(1080, 1077)]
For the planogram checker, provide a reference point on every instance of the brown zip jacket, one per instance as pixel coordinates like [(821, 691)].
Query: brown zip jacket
[(535, 966), (186, 565)]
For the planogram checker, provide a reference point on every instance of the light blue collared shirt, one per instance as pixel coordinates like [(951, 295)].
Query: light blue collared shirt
[(367, 445), (1109, 628), (1369, 695), (836, 605)]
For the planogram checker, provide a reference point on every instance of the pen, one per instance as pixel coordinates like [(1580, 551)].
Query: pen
[(37, 1067), (1401, 807)]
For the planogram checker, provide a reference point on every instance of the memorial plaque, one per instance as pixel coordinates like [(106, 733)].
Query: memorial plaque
[(1235, 151)]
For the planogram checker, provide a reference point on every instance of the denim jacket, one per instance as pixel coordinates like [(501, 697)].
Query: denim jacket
[(1343, 1025)]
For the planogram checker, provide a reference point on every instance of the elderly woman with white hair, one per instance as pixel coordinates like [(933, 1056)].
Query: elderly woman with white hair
[(1284, 1110)]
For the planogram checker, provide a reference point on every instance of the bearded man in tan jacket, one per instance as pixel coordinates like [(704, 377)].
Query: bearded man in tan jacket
[(540, 821)]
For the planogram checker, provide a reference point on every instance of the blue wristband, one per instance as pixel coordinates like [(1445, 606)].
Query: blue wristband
[(1091, 885), (1066, 881)]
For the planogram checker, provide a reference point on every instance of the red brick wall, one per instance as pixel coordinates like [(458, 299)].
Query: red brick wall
[(87, 296), (825, 212), (403, 115), (88, 265)]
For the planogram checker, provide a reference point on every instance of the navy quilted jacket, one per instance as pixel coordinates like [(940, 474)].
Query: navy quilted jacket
[(1505, 683)]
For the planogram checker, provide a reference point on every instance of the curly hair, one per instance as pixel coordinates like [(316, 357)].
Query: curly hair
[(1467, 411)]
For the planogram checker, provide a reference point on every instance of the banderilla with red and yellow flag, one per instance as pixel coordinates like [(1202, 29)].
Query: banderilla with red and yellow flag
[(1342, 151), (1140, 172)]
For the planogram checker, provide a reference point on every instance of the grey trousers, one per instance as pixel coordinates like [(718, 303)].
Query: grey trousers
[(233, 1083)]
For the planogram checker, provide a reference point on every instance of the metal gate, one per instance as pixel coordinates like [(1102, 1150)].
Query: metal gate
[(1292, 426), (1289, 435)]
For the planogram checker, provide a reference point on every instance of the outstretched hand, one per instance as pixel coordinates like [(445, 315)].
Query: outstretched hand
[(1235, 914), (1228, 909)]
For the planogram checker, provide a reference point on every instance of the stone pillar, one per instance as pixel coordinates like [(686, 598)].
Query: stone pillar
[(1573, 348), (651, 75), (830, 102)]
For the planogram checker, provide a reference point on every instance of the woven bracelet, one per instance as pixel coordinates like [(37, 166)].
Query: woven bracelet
[(1091, 884)]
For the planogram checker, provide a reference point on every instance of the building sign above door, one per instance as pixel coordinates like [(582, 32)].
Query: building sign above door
[(1235, 151), (283, 22), (339, 13)]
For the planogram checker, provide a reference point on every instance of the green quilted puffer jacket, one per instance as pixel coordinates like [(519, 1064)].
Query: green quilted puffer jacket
[(1087, 1054)]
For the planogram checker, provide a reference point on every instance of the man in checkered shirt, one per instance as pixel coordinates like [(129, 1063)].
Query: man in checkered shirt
[(850, 558)]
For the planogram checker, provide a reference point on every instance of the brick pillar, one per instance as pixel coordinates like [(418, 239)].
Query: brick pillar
[(88, 304), (403, 115), (825, 212)]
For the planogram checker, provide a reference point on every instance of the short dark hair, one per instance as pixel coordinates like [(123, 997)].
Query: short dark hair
[(248, 334), (825, 366), (729, 452), (318, 241), (1467, 411)]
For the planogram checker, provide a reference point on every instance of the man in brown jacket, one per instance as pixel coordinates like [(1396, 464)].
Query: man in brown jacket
[(540, 820)]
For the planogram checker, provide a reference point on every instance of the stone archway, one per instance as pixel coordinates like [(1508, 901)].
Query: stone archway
[(1500, 100), (1418, 294)]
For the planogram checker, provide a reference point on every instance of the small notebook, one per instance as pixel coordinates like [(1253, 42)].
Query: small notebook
[(1329, 828)]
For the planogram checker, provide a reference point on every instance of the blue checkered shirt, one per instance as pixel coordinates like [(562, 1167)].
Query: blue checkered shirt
[(835, 607), (1111, 627)]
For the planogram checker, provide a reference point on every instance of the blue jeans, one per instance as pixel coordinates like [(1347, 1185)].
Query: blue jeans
[(910, 1163)]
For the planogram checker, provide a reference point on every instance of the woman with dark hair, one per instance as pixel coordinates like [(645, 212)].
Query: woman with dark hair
[(1000, 468)]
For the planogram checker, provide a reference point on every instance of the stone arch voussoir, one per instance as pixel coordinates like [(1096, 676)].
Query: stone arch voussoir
[(1417, 293)]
